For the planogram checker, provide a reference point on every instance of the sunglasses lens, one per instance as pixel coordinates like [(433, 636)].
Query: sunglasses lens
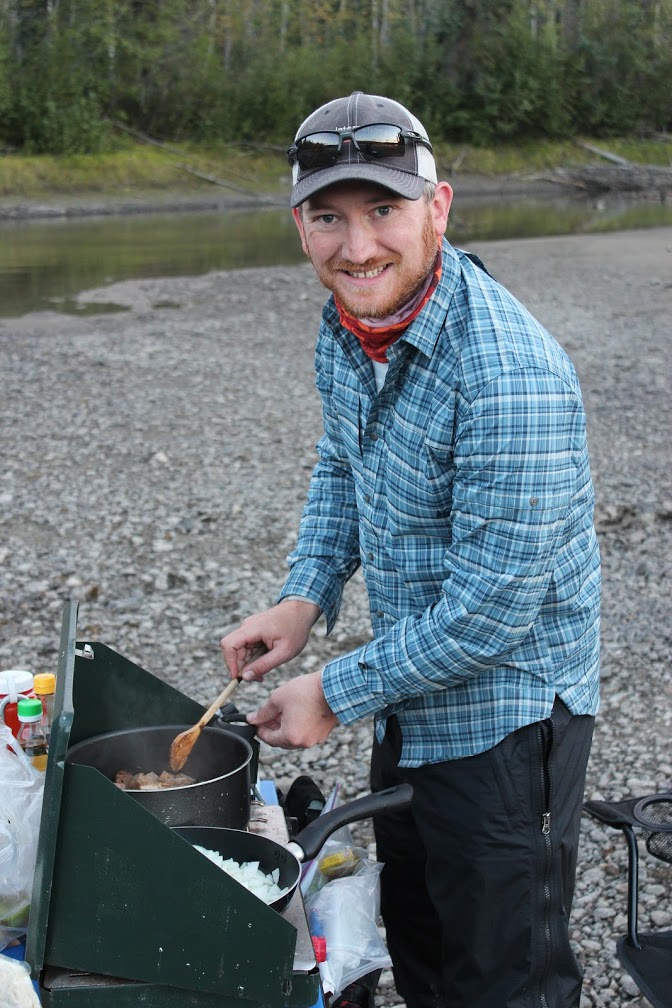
[(375, 142), (380, 141), (317, 150)]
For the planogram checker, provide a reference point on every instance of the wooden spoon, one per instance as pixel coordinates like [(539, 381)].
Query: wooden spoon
[(183, 743)]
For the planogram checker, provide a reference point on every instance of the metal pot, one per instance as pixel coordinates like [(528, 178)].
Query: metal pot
[(219, 762), (243, 846)]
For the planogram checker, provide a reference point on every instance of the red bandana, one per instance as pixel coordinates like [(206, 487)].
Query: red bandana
[(375, 340)]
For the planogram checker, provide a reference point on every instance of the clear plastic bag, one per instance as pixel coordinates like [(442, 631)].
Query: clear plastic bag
[(346, 911), (15, 984), (21, 792)]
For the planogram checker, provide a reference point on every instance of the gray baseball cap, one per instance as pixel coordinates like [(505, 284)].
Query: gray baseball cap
[(405, 174)]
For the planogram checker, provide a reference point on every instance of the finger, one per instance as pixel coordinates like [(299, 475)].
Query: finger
[(268, 713), (230, 653), (239, 651), (273, 735), (257, 667), (251, 672)]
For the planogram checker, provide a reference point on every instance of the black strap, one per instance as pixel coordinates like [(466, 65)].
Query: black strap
[(478, 261)]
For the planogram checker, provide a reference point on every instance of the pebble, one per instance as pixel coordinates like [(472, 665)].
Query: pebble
[(154, 467)]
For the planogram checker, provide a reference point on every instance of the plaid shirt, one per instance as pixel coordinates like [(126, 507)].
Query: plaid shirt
[(463, 489)]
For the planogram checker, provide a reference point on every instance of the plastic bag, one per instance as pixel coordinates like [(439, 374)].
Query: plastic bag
[(21, 792), (15, 984), (338, 857), (345, 911)]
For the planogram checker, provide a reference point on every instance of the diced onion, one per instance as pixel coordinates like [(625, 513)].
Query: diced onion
[(248, 874)]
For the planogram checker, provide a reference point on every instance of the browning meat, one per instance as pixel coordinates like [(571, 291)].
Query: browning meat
[(128, 781)]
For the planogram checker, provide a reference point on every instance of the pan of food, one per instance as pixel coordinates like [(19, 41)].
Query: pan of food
[(214, 788), (272, 870)]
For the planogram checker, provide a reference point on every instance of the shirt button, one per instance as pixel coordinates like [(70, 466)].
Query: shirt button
[(380, 614), (373, 436), (369, 556), (367, 499), (534, 501)]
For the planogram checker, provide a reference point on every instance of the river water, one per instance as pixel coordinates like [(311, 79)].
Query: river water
[(46, 263)]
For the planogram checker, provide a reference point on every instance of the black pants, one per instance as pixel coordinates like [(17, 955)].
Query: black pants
[(479, 875)]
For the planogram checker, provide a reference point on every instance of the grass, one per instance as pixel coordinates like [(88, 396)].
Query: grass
[(134, 167)]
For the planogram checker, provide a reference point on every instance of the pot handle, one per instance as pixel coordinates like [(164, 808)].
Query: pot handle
[(309, 841)]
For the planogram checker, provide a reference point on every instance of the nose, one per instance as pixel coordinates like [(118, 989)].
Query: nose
[(359, 244)]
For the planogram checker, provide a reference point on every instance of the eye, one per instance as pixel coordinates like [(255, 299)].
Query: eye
[(383, 211), (326, 218)]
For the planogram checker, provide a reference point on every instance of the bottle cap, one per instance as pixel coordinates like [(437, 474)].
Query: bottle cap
[(15, 681), (29, 709), (320, 947), (44, 682)]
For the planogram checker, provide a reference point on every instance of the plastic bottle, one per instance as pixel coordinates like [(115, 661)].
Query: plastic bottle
[(14, 684), (31, 735), (44, 687)]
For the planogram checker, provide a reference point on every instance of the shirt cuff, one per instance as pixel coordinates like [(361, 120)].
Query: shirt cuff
[(352, 688)]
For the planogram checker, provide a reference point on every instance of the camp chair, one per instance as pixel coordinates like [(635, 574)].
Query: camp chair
[(646, 957)]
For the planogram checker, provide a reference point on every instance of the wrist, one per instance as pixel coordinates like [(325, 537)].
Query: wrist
[(303, 606)]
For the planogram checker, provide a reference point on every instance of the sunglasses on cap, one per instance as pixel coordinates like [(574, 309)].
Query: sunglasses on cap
[(380, 140)]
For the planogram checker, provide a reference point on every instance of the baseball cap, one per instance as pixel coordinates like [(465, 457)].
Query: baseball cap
[(405, 174)]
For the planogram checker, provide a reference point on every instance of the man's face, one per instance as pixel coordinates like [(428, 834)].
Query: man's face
[(373, 249)]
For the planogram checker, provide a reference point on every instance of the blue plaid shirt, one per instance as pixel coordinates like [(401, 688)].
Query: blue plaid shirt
[(463, 489)]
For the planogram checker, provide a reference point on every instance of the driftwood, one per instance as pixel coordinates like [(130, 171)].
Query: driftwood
[(607, 155), (632, 178), (197, 173), (620, 175)]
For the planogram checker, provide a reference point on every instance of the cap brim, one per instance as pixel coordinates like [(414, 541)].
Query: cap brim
[(405, 184)]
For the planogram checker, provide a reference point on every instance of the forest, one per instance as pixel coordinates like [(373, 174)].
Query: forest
[(475, 71)]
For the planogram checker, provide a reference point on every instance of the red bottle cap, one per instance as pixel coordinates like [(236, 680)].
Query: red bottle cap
[(320, 947)]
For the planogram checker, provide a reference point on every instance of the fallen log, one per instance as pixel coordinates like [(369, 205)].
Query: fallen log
[(607, 155), (189, 169), (627, 178)]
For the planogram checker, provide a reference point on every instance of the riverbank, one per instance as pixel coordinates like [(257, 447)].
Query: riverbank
[(152, 177), (155, 463), (217, 198)]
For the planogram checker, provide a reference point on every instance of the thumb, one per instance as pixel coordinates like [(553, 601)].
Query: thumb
[(266, 714)]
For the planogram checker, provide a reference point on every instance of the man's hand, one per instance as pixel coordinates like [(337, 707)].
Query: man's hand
[(283, 631), (296, 715)]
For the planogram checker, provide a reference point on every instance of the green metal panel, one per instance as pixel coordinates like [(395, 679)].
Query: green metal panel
[(63, 990), (133, 899), (110, 692), (51, 805)]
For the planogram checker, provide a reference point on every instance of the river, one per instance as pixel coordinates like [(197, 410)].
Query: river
[(46, 263)]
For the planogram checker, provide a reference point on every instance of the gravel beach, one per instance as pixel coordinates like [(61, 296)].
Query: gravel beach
[(154, 463)]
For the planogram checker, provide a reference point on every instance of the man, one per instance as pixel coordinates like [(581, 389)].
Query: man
[(454, 468)]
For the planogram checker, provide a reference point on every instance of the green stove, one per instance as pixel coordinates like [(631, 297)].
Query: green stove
[(124, 913)]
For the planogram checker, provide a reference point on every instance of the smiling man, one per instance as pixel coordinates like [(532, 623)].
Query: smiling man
[(453, 468)]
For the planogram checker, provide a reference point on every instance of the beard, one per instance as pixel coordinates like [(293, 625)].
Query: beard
[(370, 304)]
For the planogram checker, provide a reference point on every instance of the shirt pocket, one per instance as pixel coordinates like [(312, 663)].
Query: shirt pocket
[(420, 492)]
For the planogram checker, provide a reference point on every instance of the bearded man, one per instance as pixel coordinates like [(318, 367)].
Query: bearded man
[(454, 469)]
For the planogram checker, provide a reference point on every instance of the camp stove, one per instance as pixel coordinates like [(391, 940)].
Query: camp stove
[(121, 915)]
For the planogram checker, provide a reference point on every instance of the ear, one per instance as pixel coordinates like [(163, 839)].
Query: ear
[(298, 220), (440, 207)]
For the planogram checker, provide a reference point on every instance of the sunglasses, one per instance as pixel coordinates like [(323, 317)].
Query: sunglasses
[(381, 140)]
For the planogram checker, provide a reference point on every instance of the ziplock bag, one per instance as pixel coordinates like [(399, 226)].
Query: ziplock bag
[(345, 911)]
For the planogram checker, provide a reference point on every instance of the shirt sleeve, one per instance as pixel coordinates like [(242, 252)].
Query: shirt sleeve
[(520, 470)]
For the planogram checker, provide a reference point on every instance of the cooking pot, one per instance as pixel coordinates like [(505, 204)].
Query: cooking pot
[(242, 846), (219, 763)]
